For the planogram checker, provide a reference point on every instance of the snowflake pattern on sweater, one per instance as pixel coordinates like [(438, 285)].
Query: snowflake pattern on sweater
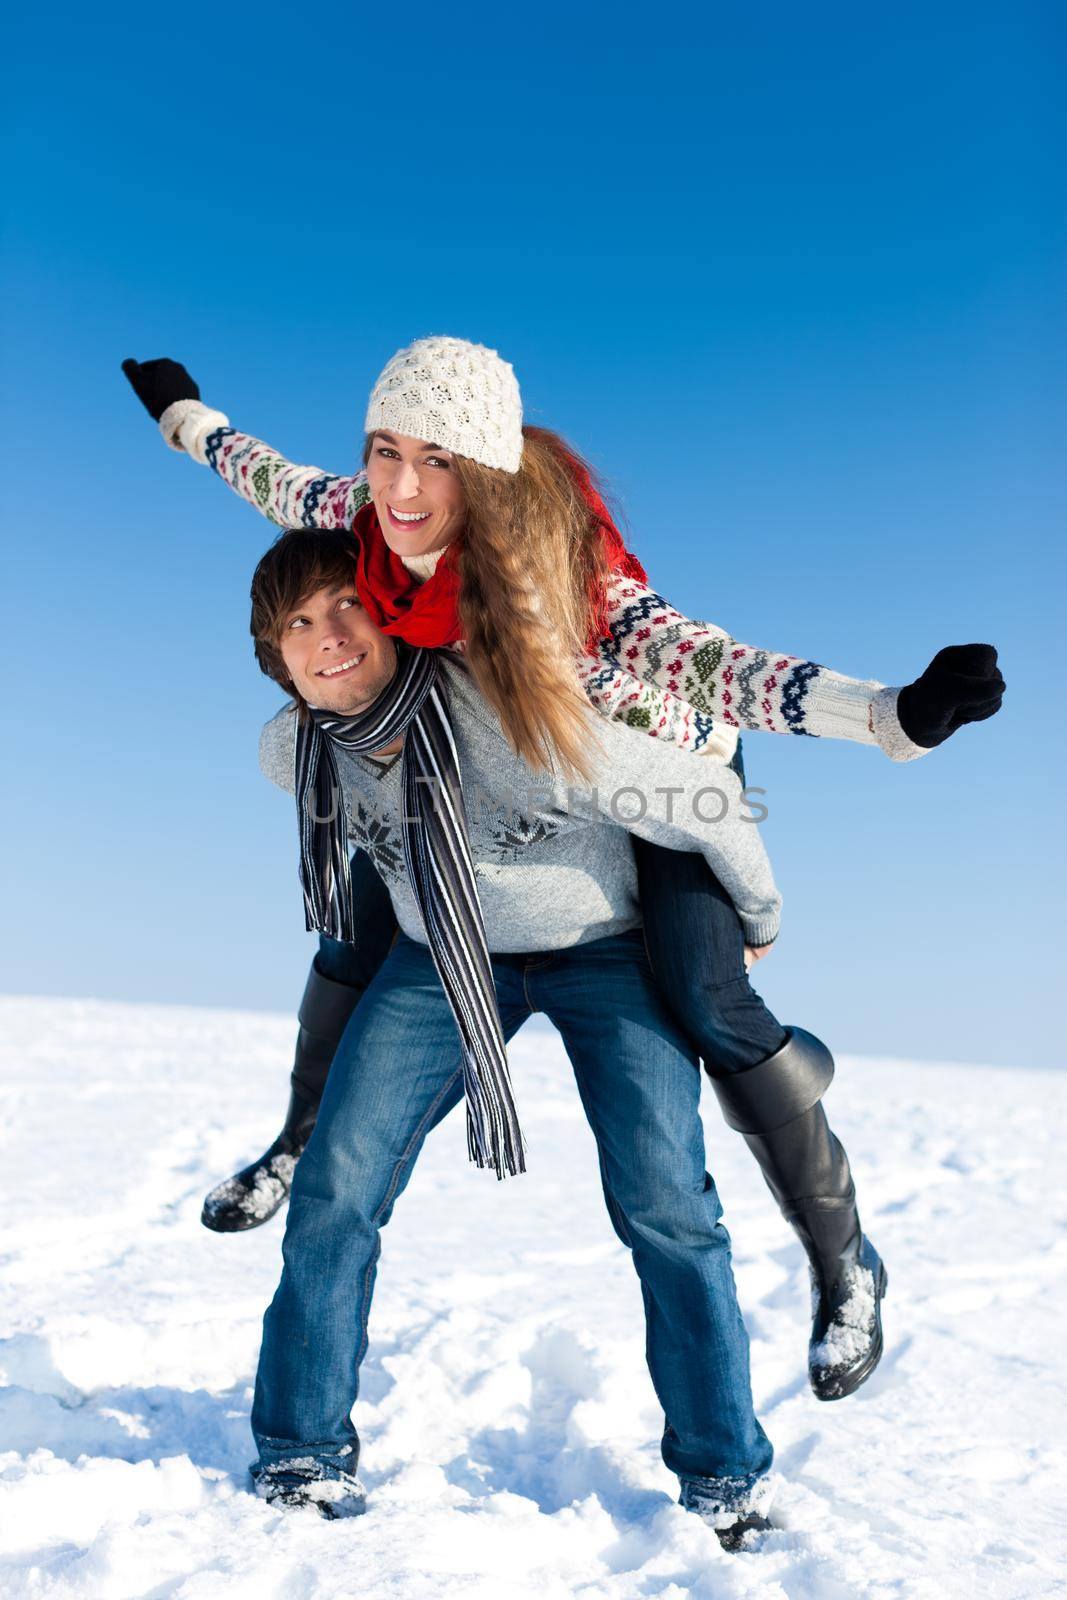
[(290, 496), (704, 667), (690, 683)]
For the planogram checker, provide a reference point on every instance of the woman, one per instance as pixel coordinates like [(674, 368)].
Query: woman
[(481, 534)]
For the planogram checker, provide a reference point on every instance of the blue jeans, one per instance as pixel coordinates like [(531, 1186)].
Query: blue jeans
[(396, 1074), (696, 947)]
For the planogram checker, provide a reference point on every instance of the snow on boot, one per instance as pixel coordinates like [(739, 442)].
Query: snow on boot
[(253, 1195), (737, 1526), (846, 1338), (777, 1106), (743, 1534), (299, 1488)]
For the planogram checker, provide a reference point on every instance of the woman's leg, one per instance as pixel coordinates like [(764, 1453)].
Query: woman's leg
[(769, 1082), (340, 972)]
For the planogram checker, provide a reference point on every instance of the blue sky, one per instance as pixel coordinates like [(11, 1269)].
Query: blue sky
[(792, 277)]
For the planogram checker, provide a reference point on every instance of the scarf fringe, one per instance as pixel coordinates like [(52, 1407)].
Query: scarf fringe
[(501, 1151)]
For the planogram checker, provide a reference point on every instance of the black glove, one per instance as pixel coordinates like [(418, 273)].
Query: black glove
[(157, 384), (961, 684)]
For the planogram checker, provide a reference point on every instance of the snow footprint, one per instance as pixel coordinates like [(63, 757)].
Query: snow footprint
[(550, 1459)]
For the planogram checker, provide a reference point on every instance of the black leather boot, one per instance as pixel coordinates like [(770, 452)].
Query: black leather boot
[(253, 1195), (777, 1106)]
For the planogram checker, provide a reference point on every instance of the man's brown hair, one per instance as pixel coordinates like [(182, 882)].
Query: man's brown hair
[(297, 565)]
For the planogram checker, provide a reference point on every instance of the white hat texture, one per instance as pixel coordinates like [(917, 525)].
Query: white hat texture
[(462, 396)]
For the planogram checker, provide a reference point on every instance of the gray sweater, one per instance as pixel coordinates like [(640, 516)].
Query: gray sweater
[(553, 861)]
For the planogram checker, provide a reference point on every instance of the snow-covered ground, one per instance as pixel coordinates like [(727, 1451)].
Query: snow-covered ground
[(510, 1431)]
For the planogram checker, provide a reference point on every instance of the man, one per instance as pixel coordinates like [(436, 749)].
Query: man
[(517, 895)]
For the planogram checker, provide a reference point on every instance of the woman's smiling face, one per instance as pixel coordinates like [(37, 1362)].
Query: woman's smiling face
[(416, 493)]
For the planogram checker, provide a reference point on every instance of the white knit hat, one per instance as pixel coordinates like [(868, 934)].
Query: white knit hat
[(462, 396)]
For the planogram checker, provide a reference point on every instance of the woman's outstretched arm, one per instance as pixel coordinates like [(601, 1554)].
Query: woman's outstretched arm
[(287, 494), (703, 668)]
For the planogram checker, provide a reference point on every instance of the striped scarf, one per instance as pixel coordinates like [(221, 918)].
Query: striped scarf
[(437, 855)]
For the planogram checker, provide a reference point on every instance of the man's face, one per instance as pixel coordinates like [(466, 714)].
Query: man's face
[(336, 656), (417, 495)]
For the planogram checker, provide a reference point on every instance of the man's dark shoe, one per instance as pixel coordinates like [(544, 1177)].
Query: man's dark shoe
[(736, 1529), (744, 1533), (330, 1497), (846, 1304)]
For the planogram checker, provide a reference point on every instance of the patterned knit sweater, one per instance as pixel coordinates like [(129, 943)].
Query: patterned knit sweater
[(690, 683)]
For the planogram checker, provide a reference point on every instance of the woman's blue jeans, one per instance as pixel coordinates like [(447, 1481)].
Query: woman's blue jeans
[(396, 1074), (696, 946)]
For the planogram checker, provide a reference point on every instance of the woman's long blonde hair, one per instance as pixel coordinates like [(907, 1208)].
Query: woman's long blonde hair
[(530, 560)]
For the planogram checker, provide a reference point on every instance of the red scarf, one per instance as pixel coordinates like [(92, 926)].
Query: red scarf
[(428, 613), (422, 613)]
